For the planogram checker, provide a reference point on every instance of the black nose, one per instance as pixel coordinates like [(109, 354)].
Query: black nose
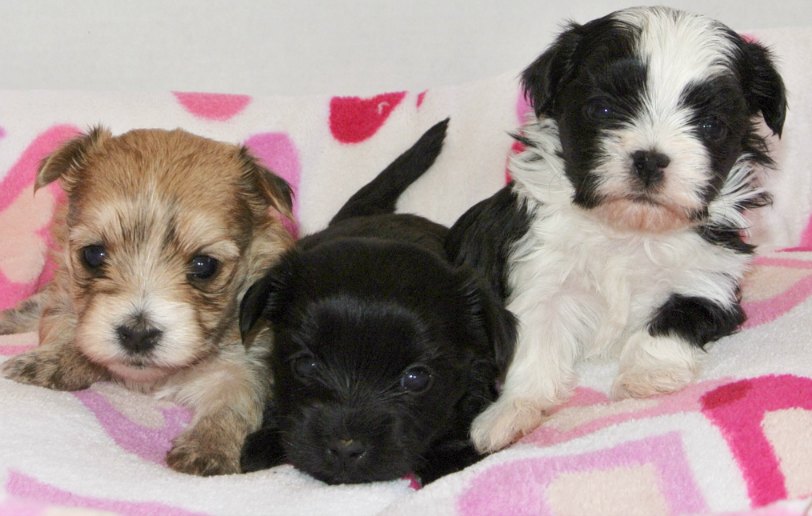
[(346, 450), (650, 166), (138, 339)]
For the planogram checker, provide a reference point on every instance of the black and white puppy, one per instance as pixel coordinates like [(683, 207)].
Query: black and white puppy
[(622, 233), (383, 352)]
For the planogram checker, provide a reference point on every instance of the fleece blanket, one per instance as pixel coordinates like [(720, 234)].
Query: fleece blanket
[(739, 440)]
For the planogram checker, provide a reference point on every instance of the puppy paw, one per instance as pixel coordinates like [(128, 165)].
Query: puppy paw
[(504, 422), (643, 383), (194, 454), (262, 450), (46, 367), (654, 365)]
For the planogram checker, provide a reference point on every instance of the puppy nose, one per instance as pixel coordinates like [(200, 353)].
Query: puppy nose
[(348, 450), (650, 166), (137, 340)]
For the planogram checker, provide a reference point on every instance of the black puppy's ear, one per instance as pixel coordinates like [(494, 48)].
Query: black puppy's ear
[(763, 86), (499, 324), (267, 296), (543, 79)]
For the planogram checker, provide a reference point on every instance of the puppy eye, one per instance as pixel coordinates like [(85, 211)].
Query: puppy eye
[(203, 267), (305, 366), (416, 379), (93, 256), (713, 129), (599, 109)]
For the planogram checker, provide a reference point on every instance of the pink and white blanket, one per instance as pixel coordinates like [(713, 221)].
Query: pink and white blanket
[(737, 441)]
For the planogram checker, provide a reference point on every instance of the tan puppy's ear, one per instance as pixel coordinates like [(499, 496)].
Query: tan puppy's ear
[(66, 162), (274, 190)]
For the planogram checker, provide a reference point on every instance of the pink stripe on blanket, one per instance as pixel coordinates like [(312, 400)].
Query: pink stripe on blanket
[(150, 444), (765, 298), (580, 417), (24, 486), (739, 409), (768, 310), (654, 467), (212, 106)]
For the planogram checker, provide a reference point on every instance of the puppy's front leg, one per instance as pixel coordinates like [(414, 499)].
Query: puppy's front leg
[(227, 395), (263, 449), (56, 363), (541, 374), (664, 356), (446, 458)]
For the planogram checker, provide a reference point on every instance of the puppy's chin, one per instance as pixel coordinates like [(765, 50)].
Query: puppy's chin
[(132, 372), (641, 216)]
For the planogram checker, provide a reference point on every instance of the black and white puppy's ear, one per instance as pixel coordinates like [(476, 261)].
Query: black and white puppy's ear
[(544, 78), (267, 297), (487, 312), (763, 86)]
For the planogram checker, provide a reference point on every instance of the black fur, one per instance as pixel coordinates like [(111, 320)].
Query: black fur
[(695, 319), (580, 69), (362, 312), (484, 236), (595, 65)]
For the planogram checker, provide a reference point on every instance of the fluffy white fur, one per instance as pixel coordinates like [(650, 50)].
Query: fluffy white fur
[(582, 288)]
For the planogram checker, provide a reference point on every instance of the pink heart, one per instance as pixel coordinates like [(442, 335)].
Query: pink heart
[(353, 119), (278, 152), (213, 106)]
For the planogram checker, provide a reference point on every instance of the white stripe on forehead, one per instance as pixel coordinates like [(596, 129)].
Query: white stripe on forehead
[(679, 48)]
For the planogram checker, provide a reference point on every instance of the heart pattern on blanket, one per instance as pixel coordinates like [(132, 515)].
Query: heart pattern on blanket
[(25, 219), (213, 106), (355, 119), (277, 152)]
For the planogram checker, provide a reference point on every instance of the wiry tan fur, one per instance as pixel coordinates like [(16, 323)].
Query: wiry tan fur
[(154, 200)]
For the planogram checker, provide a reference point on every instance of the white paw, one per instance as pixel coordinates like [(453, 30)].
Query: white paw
[(644, 383), (655, 365), (503, 422)]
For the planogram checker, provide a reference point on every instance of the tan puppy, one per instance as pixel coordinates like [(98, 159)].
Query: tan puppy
[(163, 233)]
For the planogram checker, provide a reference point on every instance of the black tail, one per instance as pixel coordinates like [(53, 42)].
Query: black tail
[(380, 195)]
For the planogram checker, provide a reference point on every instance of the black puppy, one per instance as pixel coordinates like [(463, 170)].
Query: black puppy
[(383, 352)]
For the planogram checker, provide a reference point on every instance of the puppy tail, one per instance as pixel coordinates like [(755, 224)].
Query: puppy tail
[(380, 195)]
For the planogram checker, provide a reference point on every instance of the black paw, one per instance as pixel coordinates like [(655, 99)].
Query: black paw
[(262, 450)]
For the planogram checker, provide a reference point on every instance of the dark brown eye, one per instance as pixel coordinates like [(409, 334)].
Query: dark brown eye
[(599, 109), (305, 366), (416, 379), (203, 267), (93, 256), (713, 129)]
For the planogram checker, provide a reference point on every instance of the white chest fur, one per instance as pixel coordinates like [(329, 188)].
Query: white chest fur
[(604, 285)]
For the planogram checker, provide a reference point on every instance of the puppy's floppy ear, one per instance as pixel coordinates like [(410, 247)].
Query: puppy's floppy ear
[(274, 190), (267, 296), (67, 162), (543, 79), (763, 86), (485, 310)]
